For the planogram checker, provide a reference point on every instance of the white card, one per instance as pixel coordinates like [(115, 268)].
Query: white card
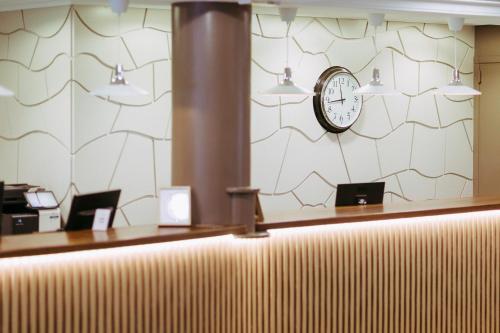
[(101, 219)]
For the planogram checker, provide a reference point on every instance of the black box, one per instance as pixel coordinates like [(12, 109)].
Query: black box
[(17, 218), (22, 223)]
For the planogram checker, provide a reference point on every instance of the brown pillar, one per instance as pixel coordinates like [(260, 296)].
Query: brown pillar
[(211, 105)]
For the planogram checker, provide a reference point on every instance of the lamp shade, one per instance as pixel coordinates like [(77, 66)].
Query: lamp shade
[(121, 90), (457, 88), (376, 90), (119, 86), (287, 87), (6, 92), (375, 87)]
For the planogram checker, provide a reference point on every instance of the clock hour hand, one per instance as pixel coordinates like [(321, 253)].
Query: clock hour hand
[(337, 100)]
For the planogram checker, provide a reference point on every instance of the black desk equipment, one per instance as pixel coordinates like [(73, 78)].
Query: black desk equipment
[(83, 207), (17, 218), (360, 194)]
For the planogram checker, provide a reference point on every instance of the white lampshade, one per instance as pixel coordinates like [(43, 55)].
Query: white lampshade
[(120, 90), (287, 87), (6, 92), (119, 86), (375, 87), (457, 88)]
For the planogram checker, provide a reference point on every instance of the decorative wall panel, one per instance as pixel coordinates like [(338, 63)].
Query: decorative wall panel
[(55, 134), (420, 144), (36, 136)]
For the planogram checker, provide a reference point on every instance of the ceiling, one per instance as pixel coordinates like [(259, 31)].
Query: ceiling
[(477, 12)]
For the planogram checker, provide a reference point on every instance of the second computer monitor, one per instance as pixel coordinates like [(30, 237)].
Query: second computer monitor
[(83, 207), (360, 194)]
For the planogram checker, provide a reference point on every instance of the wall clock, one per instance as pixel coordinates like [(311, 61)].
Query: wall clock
[(335, 105)]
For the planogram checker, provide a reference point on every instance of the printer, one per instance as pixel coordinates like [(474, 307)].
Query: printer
[(20, 218)]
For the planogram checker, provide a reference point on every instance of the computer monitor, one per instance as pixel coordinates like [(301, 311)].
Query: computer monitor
[(360, 194), (83, 207), (1, 199)]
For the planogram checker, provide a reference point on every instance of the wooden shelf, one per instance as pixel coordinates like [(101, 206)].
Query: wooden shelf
[(58, 242), (377, 212)]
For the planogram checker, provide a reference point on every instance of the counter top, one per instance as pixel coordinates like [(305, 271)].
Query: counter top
[(57, 242), (351, 214)]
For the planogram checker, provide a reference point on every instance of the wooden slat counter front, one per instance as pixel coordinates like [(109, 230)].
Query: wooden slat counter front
[(384, 277), (322, 216), (58, 242)]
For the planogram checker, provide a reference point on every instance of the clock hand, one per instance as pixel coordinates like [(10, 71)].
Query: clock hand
[(337, 100), (341, 97)]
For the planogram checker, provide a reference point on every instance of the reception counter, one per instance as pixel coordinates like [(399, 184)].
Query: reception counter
[(60, 242), (429, 266)]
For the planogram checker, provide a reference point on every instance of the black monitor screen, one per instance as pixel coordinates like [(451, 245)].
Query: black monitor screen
[(83, 207), (360, 194)]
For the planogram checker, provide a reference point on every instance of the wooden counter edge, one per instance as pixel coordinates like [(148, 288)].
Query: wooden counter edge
[(478, 204), (86, 240)]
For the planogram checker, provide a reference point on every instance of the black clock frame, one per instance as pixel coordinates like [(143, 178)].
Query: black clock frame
[(318, 92)]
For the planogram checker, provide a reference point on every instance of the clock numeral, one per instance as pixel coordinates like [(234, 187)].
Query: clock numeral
[(342, 79), (335, 83), (331, 91), (348, 116), (341, 119)]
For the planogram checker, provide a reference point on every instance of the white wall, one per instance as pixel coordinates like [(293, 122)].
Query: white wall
[(421, 145), (55, 134)]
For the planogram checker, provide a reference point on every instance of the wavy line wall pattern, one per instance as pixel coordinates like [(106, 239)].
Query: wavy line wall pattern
[(55, 134)]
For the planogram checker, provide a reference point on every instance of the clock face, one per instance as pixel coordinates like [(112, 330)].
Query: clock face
[(335, 105)]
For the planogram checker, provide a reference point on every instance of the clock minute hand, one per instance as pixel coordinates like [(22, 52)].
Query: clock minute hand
[(341, 97), (337, 100)]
